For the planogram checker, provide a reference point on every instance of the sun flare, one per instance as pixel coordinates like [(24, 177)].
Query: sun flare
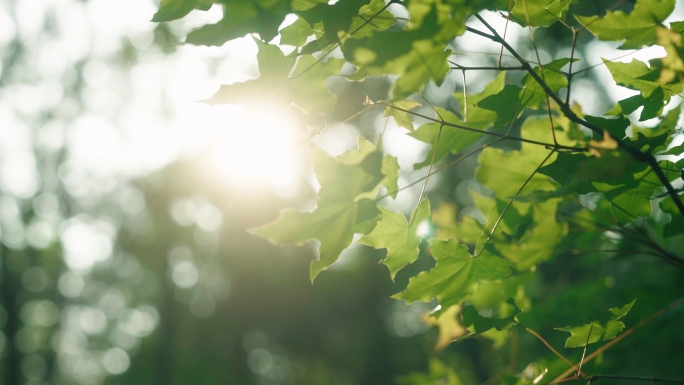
[(256, 147)]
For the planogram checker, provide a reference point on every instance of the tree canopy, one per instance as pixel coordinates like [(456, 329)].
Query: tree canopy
[(536, 214), (378, 191)]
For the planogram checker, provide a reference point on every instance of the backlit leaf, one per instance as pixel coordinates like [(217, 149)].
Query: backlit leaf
[(241, 17), (307, 91), (540, 13), (340, 213), (401, 240), (402, 118), (454, 275), (452, 140), (638, 28), (176, 9), (606, 328)]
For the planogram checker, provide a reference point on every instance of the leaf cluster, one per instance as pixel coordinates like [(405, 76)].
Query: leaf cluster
[(562, 182)]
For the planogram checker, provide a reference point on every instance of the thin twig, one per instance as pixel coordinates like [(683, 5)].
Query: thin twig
[(498, 221), (572, 57), (465, 98), (548, 345), (541, 69), (432, 161), (621, 337), (460, 67), (508, 17), (567, 111), (448, 124), (366, 22), (584, 353), (510, 127), (427, 177), (325, 129), (636, 378), (612, 7)]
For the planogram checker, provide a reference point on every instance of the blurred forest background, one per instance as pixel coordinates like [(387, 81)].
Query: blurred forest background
[(124, 204)]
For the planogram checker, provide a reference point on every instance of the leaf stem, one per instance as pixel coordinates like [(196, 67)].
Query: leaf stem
[(637, 154), (448, 124), (365, 22), (498, 221), (548, 345), (636, 378), (621, 337)]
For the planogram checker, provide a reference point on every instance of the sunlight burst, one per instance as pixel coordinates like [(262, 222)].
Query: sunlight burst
[(256, 147)]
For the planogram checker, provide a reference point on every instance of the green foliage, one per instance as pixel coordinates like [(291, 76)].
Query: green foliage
[(637, 29), (306, 91), (540, 13), (637, 76), (399, 237), (175, 9), (416, 55), (241, 17), (478, 324), (606, 328), (553, 191), (341, 213), (454, 275), (451, 140), (401, 117)]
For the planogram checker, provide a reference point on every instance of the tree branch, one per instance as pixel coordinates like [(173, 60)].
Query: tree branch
[(619, 338), (505, 136), (565, 108), (636, 378)]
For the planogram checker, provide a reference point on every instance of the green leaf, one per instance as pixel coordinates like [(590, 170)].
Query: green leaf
[(606, 328), (475, 116), (466, 231), (449, 326), (335, 18), (505, 172), (308, 91), (425, 62), (536, 237), (673, 63), (400, 239), (176, 9), (296, 33), (372, 17), (616, 127), (506, 104), (454, 275), (676, 150), (340, 213), (416, 55), (452, 140), (390, 169), (478, 324), (512, 99), (403, 119), (303, 5), (533, 94), (676, 225), (628, 203), (653, 105), (578, 172), (528, 232), (637, 76), (242, 17), (637, 29), (541, 13)]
